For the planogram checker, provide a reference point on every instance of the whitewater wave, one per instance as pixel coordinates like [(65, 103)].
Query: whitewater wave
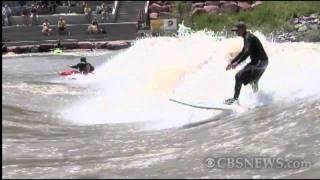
[(135, 86)]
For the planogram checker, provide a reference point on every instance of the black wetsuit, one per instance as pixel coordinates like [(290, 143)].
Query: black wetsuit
[(84, 68), (252, 72)]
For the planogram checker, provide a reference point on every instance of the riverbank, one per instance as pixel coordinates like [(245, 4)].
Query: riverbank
[(272, 18), (81, 45)]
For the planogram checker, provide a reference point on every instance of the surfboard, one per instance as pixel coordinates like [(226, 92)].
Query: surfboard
[(200, 107)]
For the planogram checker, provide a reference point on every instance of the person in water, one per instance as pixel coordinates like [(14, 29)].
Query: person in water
[(252, 72), (84, 67)]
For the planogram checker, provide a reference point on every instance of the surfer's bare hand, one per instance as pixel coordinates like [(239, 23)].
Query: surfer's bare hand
[(228, 67), (234, 65)]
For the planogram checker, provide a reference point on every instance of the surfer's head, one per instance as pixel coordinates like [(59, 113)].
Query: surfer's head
[(83, 60), (240, 28)]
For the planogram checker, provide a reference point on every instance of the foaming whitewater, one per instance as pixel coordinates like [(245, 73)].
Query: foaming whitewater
[(135, 86)]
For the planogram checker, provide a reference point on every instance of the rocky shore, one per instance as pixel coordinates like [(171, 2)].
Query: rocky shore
[(303, 28), (110, 45)]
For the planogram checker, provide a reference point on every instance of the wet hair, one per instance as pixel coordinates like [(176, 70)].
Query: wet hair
[(83, 59)]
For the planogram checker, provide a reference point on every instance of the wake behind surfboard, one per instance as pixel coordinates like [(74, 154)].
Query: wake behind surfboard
[(201, 107)]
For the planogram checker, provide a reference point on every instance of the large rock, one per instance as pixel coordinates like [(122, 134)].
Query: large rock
[(155, 8), (198, 11), (297, 26), (211, 9), (314, 16), (229, 7), (212, 3), (314, 27), (72, 45), (165, 8), (244, 5), (45, 47), (154, 15), (85, 45), (4, 49), (10, 48), (302, 28), (257, 3), (197, 5), (34, 48), (116, 45)]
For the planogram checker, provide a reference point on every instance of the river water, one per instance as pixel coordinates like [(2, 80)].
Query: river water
[(119, 122)]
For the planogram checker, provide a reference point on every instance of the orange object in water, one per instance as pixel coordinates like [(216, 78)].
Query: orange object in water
[(68, 72)]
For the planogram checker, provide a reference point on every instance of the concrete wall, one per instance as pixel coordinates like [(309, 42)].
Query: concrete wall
[(53, 19), (124, 31)]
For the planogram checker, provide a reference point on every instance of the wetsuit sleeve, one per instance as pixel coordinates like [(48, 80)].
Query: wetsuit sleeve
[(75, 66), (238, 56), (244, 53)]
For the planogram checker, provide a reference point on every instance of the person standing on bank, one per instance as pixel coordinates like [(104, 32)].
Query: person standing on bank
[(252, 72)]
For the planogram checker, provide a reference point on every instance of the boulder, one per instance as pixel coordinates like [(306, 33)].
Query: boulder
[(314, 15), (211, 9), (85, 45), (212, 3), (296, 21), (11, 48), (229, 7), (153, 15), (34, 49), (297, 26), (257, 3), (21, 49), (197, 5), (302, 28), (100, 45), (314, 27), (72, 45), (165, 8), (155, 8), (4, 49), (45, 47), (198, 11), (116, 45), (244, 5)]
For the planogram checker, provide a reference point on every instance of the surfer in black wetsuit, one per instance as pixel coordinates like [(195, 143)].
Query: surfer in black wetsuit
[(252, 72), (84, 67)]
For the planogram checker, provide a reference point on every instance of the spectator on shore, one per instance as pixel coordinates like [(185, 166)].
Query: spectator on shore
[(103, 11), (94, 28), (109, 9), (25, 16), (52, 5), (98, 9), (87, 12), (61, 25), (6, 14), (34, 14), (46, 27)]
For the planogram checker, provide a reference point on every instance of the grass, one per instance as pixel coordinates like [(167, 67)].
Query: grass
[(268, 17)]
